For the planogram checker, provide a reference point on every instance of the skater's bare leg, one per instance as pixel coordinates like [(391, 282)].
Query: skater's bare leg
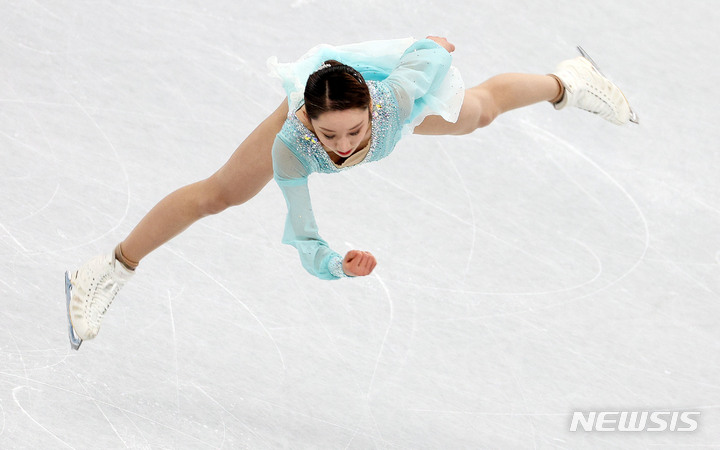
[(246, 172), (483, 103)]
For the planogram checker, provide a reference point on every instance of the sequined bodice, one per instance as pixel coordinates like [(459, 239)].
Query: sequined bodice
[(386, 131)]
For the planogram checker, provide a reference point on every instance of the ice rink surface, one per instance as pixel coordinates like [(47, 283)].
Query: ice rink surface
[(548, 264)]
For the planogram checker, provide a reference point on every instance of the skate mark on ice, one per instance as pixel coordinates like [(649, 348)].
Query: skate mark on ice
[(42, 208), (489, 414), (17, 402), (461, 179), (575, 183), (377, 362), (6, 284), (342, 358), (202, 391), (418, 197), (2, 412), (28, 147), (646, 231), (513, 373), (372, 438), (302, 3), (461, 220), (231, 294), (387, 331), (194, 15), (13, 238), (596, 166), (176, 93), (697, 200), (51, 14), (700, 202), (291, 275), (20, 354), (352, 438), (175, 347), (377, 427), (46, 353), (314, 418), (599, 203), (125, 176), (87, 397), (224, 427), (687, 274), (31, 112), (94, 400), (248, 99), (646, 234), (521, 433), (598, 273), (328, 334), (599, 366)]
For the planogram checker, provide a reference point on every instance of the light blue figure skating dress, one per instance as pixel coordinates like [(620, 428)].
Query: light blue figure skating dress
[(408, 80)]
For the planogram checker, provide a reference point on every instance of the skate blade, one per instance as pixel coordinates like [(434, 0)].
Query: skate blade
[(634, 118), (75, 341)]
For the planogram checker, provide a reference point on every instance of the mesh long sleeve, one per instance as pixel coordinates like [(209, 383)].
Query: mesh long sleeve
[(301, 230)]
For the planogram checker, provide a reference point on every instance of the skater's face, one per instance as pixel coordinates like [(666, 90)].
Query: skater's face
[(343, 132)]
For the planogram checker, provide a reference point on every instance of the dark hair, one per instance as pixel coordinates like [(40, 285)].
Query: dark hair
[(335, 87)]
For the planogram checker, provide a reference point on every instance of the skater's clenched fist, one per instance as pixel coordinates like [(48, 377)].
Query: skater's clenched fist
[(441, 41), (358, 263)]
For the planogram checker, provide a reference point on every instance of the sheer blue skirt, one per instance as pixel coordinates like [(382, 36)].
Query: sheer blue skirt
[(375, 60)]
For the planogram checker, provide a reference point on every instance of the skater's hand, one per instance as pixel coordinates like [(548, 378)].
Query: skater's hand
[(358, 264), (443, 43)]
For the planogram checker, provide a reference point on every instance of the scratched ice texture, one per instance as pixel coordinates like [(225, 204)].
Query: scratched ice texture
[(550, 263)]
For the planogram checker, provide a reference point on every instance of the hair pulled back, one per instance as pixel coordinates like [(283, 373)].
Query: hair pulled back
[(335, 87)]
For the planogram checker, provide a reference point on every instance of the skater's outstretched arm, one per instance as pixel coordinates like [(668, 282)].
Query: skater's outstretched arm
[(301, 230)]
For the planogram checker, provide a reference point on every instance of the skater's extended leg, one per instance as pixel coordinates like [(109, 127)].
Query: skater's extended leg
[(93, 287), (576, 82), (483, 103), (246, 172)]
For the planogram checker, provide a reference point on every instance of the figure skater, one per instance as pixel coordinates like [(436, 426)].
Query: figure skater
[(346, 106)]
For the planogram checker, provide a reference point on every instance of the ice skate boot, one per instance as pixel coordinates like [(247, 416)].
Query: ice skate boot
[(587, 88), (89, 291)]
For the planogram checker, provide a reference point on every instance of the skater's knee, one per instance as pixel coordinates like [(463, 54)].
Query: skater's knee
[(486, 118), (212, 198), (213, 205), (487, 109), (479, 110)]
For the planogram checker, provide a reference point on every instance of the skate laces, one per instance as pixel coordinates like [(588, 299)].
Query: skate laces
[(105, 292), (589, 89), (595, 91), (102, 290)]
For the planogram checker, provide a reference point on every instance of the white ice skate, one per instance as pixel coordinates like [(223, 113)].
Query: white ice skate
[(89, 291), (587, 88)]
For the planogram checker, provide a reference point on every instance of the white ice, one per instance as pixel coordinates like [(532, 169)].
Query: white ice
[(550, 263)]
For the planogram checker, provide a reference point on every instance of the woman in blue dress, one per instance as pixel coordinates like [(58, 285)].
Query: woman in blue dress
[(346, 106)]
